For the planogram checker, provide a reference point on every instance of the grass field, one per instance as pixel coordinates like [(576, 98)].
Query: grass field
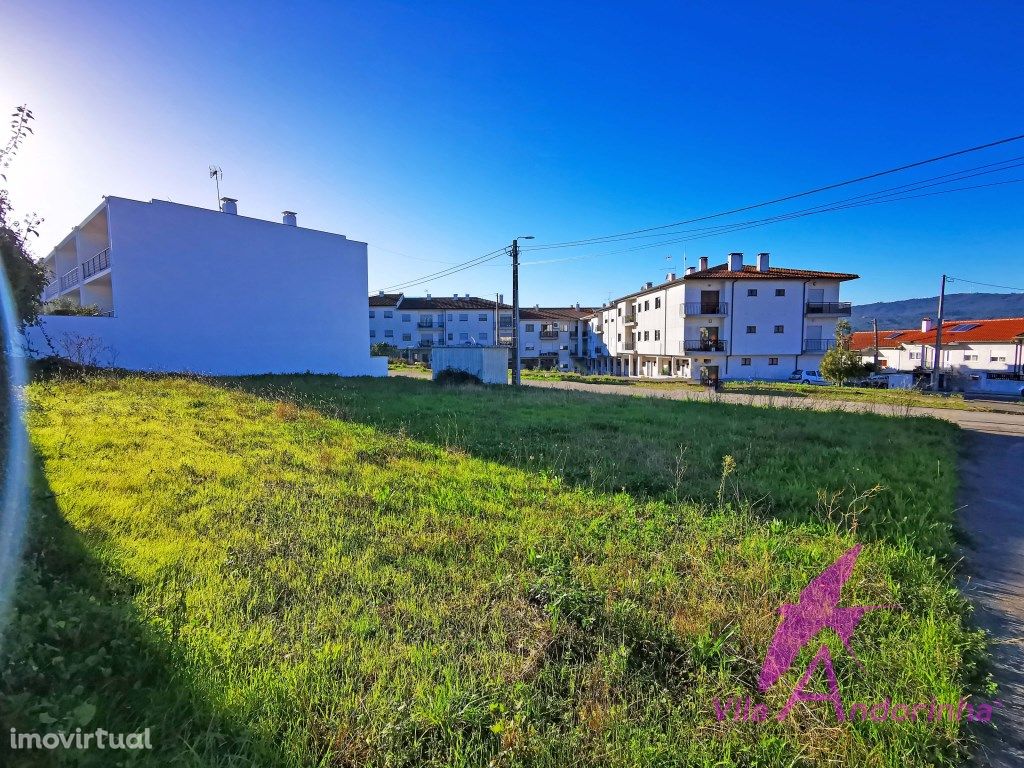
[(317, 571)]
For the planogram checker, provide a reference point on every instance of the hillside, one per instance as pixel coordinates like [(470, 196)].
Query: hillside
[(959, 306)]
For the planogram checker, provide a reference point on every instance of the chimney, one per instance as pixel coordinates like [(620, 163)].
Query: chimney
[(670, 277), (288, 217), (690, 270), (762, 262), (380, 293), (229, 205), (501, 298), (577, 305), (927, 325), (735, 262), (428, 294), (703, 263), (466, 296), (648, 284)]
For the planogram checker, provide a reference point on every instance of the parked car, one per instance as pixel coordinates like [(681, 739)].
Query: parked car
[(807, 377)]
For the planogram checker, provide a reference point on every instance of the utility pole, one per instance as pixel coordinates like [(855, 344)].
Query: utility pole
[(516, 362), (938, 337), (874, 327)]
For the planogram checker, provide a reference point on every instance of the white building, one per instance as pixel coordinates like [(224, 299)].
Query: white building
[(968, 346), (730, 321), (557, 338), (182, 288), (417, 324)]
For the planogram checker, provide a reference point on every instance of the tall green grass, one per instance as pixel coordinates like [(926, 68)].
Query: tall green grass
[(317, 571)]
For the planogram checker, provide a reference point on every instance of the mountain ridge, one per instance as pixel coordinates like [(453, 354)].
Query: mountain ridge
[(907, 313)]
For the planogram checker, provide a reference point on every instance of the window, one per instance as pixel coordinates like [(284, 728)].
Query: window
[(657, 302), (619, 338), (620, 311), (464, 317), (388, 315), (657, 335), (372, 314), (995, 359), (773, 361), (406, 337), (751, 291), (529, 327), (529, 348), (647, 305), (647, 335), (780, 329), (440, 318), (406, 318), (751, 329), (373, 334), (450, 317), (483, 335), (389, 334), (564, 347), (969, 357), (780, 291), (451, 336), (744, 361), (463, 336), (482, 317)]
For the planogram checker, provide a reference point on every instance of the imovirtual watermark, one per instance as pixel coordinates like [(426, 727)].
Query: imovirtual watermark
[(79, 739), (818, 609)]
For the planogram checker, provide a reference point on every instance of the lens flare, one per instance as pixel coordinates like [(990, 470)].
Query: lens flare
[(14, 494)]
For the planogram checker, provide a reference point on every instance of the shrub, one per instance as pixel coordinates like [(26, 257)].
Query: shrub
[(450, 377)]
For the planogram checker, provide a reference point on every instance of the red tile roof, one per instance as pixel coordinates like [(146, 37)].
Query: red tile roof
[(750, 272), (886, 339), (432, 302), (1003, 329), (554, 313), (385, 299)]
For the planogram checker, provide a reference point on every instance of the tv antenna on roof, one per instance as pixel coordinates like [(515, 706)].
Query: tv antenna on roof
[(217, 174)]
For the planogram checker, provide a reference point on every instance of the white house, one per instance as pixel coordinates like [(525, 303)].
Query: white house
[(968, 346), (182, 288), (730, 321), (417, 324), (557, 337)]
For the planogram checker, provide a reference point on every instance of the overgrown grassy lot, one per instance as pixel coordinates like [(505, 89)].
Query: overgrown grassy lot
[(317, 571)]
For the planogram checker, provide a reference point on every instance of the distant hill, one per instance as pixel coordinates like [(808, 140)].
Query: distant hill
[(958, 306)]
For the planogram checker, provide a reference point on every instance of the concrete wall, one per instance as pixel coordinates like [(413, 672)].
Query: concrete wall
[(203, 291), (489, 364)]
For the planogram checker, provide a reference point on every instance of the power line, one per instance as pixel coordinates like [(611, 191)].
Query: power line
[(450, 271), (706, 232), (987, 285), (816, 190)]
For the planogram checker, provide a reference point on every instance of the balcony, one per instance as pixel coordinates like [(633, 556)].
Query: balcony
[(504, 341), (629, 345), (629, 319), (837, 308), (818, 346), (703, 345), (69, 279), (428, 323), (704, 308), (426, 342), (549, 335), (96, 264), (50, 290)]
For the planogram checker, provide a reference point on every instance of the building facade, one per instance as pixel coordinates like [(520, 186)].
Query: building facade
[(417, 324), (730, 321), (558, 338), (182, 288)]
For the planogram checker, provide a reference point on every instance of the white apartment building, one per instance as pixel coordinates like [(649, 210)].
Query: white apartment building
[(182, 288), (969, 346), (559, 338), (729, 321), (417, 324)]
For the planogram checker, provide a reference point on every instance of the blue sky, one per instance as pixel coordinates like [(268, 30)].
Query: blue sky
[(438, 131)]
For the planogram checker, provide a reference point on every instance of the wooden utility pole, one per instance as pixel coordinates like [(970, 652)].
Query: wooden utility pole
[(874, 327), (516, 380)]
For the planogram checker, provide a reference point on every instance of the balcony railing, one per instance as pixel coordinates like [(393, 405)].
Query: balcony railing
[(69, 279), (504, 341), (813, 346), (428, 323), (629, 344), (704, 308), (828, 308), (96, 264), (703, 345), (629, 319), (50, 290), (505, 322), (425, 342), (549, 335)]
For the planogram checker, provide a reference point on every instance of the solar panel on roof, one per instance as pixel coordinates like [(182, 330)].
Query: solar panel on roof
[(963, 327)]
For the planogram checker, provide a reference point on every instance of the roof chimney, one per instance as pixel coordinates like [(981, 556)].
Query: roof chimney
[(455, 295), (288, 217), (670, 277), (762, 262), (380, 293), (648, 284), (927, 325), (690, 270), (703, 263), (735, 262), (229, 205), (428, 294), (501, 298)]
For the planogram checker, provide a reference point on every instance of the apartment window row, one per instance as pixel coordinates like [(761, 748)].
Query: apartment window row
[(463, 317), (778, 329), (750, 361), (751, 292)]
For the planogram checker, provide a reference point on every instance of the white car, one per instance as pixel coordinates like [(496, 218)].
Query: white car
[(807, 377)]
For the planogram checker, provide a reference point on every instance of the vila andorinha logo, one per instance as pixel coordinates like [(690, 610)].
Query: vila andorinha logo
[(818, 609)]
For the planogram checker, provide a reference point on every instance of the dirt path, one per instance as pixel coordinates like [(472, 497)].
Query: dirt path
[(992, 495)]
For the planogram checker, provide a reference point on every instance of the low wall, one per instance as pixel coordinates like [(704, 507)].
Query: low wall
[(489, 364)]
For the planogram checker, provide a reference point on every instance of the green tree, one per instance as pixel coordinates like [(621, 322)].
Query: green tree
[(840, 364), (27, 278), (383, 349)]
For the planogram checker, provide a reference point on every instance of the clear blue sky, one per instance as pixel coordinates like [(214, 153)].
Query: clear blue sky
[(438, 131)]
